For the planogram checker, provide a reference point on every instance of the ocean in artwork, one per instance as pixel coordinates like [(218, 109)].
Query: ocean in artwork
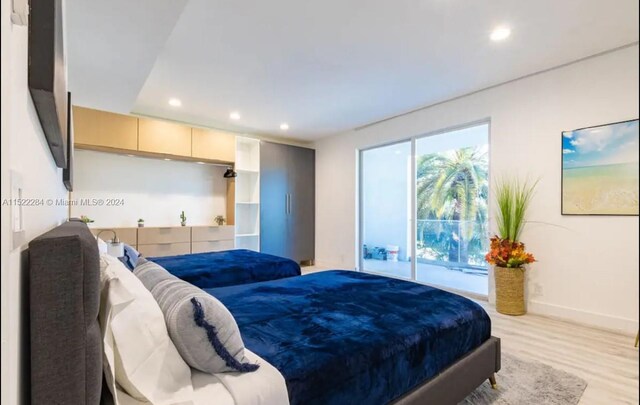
[(600, 173)]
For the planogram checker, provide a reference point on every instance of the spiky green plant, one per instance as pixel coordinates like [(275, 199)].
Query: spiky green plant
[(513, 198)]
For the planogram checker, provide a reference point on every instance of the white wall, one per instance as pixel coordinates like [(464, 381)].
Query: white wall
[(24, 150), (588, 266), (153, 189)]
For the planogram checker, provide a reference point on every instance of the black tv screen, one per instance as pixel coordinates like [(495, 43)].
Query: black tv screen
[(47, 74), (67, 172)]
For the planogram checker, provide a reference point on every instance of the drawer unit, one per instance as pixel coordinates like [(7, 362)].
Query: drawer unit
[(212, 246), (126, 235), (165, 249), (212, 233), (152, 236)]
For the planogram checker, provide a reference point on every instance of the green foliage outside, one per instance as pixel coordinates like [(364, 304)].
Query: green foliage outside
[(452, 204)]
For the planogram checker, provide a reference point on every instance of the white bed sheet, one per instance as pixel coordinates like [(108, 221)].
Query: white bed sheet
[(265, 386)]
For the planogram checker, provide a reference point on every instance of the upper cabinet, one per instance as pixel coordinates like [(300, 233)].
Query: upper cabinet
[(164, 137), (214, 145), (104, 129)]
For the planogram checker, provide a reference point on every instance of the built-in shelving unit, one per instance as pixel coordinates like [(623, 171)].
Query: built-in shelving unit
[(247, 197)]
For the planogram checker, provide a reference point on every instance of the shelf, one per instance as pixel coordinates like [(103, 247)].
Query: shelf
[(247, 193)]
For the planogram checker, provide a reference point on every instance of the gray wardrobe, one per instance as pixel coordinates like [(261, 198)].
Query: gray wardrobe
[(287, 201)]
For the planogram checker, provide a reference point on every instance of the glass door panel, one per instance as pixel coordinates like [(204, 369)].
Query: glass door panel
[(385, 210), (452, 189)]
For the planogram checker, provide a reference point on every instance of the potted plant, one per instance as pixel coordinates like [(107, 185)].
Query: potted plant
[(507, 253), (183, 219), (141, 223), (86, 219), (219, 220)]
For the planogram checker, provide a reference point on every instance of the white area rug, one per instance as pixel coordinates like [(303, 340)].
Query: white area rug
[(523, 382)]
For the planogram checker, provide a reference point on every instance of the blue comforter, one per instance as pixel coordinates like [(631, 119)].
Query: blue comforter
[(230, 267), (342, 337)]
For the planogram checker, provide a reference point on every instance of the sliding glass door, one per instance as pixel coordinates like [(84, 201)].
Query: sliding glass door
[(442, 181)]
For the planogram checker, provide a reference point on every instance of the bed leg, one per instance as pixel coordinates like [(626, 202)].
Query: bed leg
[(492, 380)]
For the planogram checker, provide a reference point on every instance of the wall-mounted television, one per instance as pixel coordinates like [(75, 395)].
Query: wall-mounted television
[(47, 74), (67, 172)]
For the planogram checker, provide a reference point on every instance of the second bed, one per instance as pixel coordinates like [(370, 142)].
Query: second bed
[(228, 268)]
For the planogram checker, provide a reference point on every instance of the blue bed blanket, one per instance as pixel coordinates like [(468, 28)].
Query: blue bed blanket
[(230, 267), (342, 337)]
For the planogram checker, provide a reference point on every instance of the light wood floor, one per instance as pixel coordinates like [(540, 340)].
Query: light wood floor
[(606, 360)]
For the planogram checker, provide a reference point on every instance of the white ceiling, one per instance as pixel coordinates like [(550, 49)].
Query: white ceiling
[(322, 66)]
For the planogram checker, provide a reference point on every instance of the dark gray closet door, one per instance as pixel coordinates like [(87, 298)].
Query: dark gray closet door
[(302, 203), (274, 191)]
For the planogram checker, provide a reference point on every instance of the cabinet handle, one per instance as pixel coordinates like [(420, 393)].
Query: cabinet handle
[(289, 203)]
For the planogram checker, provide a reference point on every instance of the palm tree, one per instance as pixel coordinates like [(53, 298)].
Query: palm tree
[(454, 186)]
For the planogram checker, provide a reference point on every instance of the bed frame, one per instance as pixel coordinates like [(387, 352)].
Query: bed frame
[(66, 342)]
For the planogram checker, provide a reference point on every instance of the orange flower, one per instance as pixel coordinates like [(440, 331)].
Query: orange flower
[(507, 253)]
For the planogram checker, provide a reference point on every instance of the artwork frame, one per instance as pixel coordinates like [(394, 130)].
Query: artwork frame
[(599, 171)]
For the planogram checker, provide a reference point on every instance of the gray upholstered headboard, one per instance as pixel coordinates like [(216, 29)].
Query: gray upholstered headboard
[(66, 342)]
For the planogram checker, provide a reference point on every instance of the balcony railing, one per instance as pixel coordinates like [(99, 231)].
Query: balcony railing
[(452, 244)]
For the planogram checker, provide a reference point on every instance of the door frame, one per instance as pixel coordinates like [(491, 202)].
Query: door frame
[(414, 197)]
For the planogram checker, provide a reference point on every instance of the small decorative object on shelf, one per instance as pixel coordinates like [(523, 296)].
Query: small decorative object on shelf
[(86, 219), (507, 254), (183, 219), (141, 223), (220, 220)]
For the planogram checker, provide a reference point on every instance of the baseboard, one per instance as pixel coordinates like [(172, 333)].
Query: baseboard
[(601, 321)]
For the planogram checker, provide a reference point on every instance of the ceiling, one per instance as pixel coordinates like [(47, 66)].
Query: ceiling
[(323, 66)]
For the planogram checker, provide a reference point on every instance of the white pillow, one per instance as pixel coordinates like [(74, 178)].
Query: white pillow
[(139, 355)]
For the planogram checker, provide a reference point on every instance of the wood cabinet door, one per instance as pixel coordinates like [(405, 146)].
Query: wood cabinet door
[(164, 137), (214, 145), (105, 129)]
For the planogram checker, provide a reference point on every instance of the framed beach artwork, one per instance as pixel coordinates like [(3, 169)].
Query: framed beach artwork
[(600, 170)]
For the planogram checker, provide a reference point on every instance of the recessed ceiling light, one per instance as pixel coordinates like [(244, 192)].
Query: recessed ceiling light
[(284, 126), (200, 163), (234, 115), (500, 33), (175, 102), (167, 159)]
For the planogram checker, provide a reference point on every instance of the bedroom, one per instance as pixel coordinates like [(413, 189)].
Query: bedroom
[(264, 145)]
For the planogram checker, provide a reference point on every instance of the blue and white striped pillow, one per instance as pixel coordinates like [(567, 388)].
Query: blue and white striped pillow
[(201, 327)]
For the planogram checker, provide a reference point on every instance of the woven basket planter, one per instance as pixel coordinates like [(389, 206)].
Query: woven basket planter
[(510, 291)]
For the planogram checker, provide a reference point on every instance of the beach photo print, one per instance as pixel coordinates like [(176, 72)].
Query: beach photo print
[(600, 170)]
